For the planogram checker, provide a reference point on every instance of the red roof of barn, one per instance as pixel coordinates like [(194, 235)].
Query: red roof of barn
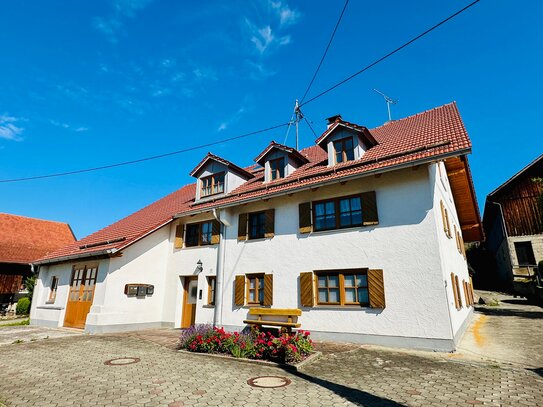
[(430, 135), (23, 240)]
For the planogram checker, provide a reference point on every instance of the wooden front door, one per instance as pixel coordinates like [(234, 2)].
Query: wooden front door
[(80, 295), (189, 301)]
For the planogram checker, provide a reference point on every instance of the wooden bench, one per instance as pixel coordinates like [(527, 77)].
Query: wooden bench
[(287, 313)]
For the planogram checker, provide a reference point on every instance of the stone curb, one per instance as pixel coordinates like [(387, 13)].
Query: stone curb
[(293, 368)]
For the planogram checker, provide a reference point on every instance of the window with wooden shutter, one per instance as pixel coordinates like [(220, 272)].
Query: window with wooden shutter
[(216, 232), (306, 289), (445, 218), (269, 224), (369, 209), (466, 295), (304, 217), (268, 290), (239, 291), (179, 230), (457, 283), (255, 289), (242, 227), (376, 288), (454, 290)]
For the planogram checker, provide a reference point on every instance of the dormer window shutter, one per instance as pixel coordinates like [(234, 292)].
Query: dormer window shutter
[(304, 217), (242, 226), (369, 209), (179, 231), (269, 224), (216, 232)]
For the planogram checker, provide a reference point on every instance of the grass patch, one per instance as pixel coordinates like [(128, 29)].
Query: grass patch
[(18, 323)]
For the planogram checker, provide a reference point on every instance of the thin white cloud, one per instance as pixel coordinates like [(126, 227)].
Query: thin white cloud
[(112, 24), (9, 130), (233, 119), (287, 16), (78, 129), (264, 38)]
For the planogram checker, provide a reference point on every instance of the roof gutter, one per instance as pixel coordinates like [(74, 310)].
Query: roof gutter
[(106, 252), (325, 183)]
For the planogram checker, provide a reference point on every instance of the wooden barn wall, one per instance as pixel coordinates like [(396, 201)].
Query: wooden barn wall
[(521, 210)]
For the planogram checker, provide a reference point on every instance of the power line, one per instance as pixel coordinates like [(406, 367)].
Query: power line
[(391, 53), (154, 157), (325, 52), (311, 127)]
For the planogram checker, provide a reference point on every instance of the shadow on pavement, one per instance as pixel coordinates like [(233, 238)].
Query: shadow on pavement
[(506, 312), (348, 393)]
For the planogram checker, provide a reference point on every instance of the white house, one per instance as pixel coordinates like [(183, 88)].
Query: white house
[(364, 232)]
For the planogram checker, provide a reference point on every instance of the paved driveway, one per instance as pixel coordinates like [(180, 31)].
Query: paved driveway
[(28, 333), (71, 371)]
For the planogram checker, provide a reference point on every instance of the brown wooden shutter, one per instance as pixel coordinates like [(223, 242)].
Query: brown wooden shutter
[(268, 290), (466, 296), (376, 288), (306, 289), (239, 291), (269, 224), (369, 209), (216, 232), (304, 217), (443, 217), (455, 294), (179, 230), (242, 227), (458, 291)]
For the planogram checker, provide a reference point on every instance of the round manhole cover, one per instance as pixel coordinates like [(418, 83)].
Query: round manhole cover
[(121, 361), (269, 382)]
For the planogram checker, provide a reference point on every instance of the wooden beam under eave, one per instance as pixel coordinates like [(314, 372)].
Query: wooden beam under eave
[(463, 193)]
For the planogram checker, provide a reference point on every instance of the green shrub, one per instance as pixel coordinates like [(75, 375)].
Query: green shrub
[(23, 306)]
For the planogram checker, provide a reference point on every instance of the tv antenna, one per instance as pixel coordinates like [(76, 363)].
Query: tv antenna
[(389, 101)]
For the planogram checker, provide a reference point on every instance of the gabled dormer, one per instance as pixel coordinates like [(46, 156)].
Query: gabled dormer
[(217, 177), (345, 141), (279, 161)]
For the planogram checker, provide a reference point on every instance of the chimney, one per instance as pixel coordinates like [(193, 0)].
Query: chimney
[(332, 119)]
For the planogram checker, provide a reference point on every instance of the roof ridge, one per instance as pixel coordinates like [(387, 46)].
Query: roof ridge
[(32, 218), (453, 103)]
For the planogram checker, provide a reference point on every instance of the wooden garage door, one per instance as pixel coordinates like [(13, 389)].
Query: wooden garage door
[(81, 295)]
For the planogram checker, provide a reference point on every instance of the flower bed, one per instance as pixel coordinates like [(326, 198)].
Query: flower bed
[(284, 348)]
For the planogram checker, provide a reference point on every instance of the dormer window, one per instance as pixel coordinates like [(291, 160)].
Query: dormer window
[(212, 184), (277, 168), (344, 150)]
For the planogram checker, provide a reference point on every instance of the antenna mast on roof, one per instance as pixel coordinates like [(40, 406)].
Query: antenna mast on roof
[(299, 116), (389, 101)]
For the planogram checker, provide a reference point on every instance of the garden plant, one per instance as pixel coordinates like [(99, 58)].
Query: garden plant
[(283, 348)]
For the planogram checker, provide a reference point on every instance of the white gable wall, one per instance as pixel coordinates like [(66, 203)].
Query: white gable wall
[(451, 260)]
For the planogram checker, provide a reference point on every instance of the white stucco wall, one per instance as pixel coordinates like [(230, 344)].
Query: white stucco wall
[(403, 245), (451, 260), (141, 263), (183, 263), (52, 314)]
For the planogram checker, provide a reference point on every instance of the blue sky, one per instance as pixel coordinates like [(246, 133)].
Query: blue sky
[(84, 84)]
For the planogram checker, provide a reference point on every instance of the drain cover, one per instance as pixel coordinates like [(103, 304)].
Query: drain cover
[(269, 382), (121, 361)]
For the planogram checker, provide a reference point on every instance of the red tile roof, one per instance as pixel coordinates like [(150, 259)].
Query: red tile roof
[(23, 240), (425, 136)]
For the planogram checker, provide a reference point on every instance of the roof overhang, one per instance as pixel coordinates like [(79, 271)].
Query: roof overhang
[(464, 197)]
